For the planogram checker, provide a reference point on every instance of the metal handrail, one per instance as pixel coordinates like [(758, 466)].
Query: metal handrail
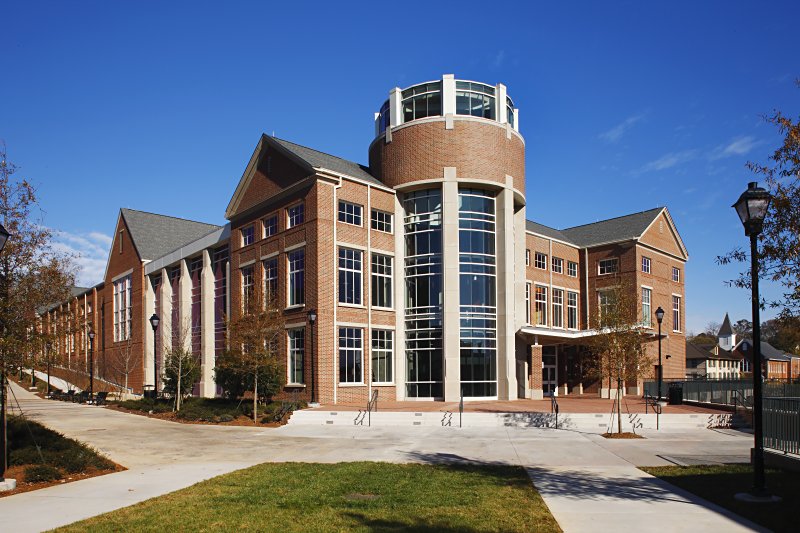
[(554, 407), (460, 409)]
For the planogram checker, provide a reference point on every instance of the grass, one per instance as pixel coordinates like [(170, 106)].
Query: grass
[(343, 497), (719, 484)]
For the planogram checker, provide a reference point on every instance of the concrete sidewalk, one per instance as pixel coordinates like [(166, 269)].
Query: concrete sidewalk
[(588, 483)]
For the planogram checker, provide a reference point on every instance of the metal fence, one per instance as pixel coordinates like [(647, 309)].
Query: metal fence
[(782, 424), (722, 391)]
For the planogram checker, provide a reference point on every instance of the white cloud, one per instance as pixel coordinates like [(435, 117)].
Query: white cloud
[(90, 251), (615, 134), (669, 160), (499, 59), (737, 146)]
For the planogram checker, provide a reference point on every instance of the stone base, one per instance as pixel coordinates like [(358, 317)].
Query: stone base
[(537, 394), (634, 391), (313, 404), (8, 484)]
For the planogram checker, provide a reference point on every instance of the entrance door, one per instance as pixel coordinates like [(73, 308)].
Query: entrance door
[(549, 371)]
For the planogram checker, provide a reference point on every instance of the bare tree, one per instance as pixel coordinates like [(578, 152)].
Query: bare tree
[(181, 366), (123, 362)]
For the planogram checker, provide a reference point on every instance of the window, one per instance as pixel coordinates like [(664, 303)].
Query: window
[(572, 269), (381, 221), (608, 266), (351, 350), (604, 300), (350, 276), (295, 215), (270, 279), (350, 213), (676, 313), (572, 310), (296, 354), (645, 265), (121, 234), (510, 111), (248, 235), (423, 100), (297, 293), (558, 308), (527, 303), (270, 226), (540, 260), (247, 286), (382, 350), (647, 295), (541, 306), (381, 280), (122, 309), (527, 257), (558, 265), (475, 99), (676, 274)]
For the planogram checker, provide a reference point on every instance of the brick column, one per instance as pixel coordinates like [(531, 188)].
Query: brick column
[(536, 372)]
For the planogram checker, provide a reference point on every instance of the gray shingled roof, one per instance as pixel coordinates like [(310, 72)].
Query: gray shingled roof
[(547, 231), (318, 159), (726, 330), (157, 235), (615, 229)]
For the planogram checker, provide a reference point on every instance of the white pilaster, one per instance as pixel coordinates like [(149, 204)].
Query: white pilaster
[(185, 310), (399, 301), (448, 95), (500, 102), (208, 388), (395, 107), (165, 325), (508, 294), (451, 319), (147, 331)]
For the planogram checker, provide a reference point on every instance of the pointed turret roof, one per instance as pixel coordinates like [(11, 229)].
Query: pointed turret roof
[(726, 330)]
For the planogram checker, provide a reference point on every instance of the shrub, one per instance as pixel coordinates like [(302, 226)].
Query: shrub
[(146, 405), (39, 473), (28, 455), (209, 409), (226, 418)]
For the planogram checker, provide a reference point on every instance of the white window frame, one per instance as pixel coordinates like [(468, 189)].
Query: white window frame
[(608, 266), (250, 230), (382, 272), (540, 260), (647, 306), (356, 350), (295, 215), (572, 269), (122, 308), (351, 213), (676, 274), (354, 276), (264, 225), (527, 257), (292, 273), (528, 302), (245, 284), (560, 305), (382, 221), (676, 312), (270, 280), (295, 345), (557, 265), (385, 353), (646, 265), (544, 305), (570, 307)]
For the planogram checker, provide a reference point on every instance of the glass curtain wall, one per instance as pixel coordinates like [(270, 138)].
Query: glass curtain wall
[(478, 292), (424, 298)]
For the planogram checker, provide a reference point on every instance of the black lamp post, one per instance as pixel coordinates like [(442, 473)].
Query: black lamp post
[(154, 320), (752, 208), (4, 235), (91, 365), (659, 319), (312, 318)]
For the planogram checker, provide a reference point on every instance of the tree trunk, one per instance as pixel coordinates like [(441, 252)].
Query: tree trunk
[(180, 372), (619, 405), (255, 396)]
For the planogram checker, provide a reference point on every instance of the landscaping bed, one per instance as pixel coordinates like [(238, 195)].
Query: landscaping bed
[(58, 460), (343, 497), (207, 411), (720, 483)]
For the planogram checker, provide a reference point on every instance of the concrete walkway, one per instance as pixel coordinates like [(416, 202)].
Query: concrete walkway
[(56, 382), (589, 483)]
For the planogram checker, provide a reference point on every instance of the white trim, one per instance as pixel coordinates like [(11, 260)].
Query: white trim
[(376, 308), (294, 307), (571, 245), (351, 246), (332, 173), (349, 325), (270, 256), (352, 306), (247, 263), (293, 247), (346, 384), (650, 248), (295, 325), (647, 287), (361, 206), (120, 276)]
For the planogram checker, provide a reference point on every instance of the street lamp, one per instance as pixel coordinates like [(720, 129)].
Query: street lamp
[(659, 318), (4, 235), (312, 318), (154, 320), (91, 365), (752, 208)]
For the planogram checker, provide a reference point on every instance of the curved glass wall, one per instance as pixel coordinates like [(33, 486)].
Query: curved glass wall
[(424, 298), (478, 292), (475, 99), (424, 100)]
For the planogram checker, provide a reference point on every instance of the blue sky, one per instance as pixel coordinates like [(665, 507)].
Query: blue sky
[(624, 106)]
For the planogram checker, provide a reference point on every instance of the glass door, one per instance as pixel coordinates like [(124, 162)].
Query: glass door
[(549, 371)]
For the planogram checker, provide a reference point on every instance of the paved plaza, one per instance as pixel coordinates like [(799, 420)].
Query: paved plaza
[(588, 482)]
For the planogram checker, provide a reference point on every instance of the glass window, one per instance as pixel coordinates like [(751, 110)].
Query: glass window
[(381, 280), (270, 279), (676, 274), (572, 269), (475, 99), (350, 213), (295, 215), (384, 121), (604, 299), (382, 352), (527, 303), (540, 261), (541, 305), (381, 221), (558, 308), (247, 286), (646, 308), (296, 260), (351, 350), (676, 313), (558, 265), (270, 226), (423, 100), (572, 310), (296, 354), (608, 266), (645, 265), (527, 257), (510, 111), (248, 235), (350, 284), (122, 309)]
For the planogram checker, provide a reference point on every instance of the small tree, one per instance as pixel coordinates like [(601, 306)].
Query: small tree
[(251, 362), (123, 362), (619, 345), (181, 368)]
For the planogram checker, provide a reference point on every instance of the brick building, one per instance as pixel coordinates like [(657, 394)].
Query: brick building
[(426, 279)]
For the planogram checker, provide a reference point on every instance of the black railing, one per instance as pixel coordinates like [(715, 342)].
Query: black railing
[(372, 405), (554, 407)]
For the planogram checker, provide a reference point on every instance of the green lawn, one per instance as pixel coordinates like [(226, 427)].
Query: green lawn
[(719, 484), (343, 497)]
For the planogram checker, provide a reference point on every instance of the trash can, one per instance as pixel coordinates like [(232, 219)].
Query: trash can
[(675, 394)]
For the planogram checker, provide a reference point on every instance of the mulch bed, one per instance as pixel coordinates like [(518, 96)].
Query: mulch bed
[(623, 435), (173, 417)]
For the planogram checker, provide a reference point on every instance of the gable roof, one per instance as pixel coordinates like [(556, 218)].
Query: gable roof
[(157, 235), (725, 330), (622, 228), (541, 229), (694, 351)]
